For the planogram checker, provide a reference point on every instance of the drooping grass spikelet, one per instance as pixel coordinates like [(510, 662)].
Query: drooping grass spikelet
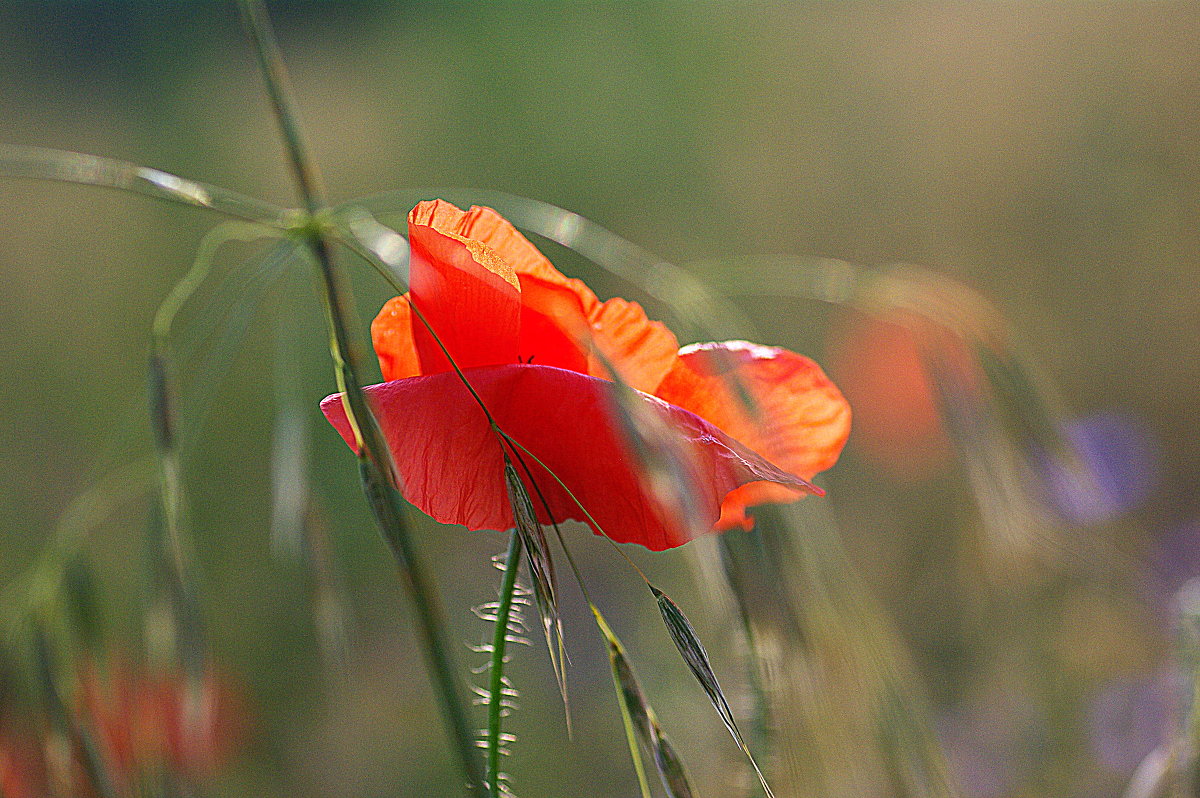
[(640, 720), (542, 576), (692, 650)]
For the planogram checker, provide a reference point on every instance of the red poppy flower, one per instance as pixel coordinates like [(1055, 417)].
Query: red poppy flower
[(527, 338), (144, 725), (898, 424), (144, 722), (22, 768), (884, 361)]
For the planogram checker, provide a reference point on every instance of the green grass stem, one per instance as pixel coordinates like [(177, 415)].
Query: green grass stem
[(374, 462), (508, 584)]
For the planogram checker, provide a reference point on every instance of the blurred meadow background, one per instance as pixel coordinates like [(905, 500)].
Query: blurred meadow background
[(1043, 160)]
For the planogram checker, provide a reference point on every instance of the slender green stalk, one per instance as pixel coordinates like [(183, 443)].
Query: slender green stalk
[(388, 508), (631, 732), (270, 63), (500, 634), (629, 694), (182, 590), (374, 462)]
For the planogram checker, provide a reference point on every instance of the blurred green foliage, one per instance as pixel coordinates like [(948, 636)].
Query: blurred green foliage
[(1045, 155)]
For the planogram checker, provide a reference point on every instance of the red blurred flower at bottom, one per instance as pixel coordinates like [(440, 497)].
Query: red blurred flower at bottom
[(524, 333), (145, 727), (154, 723), (22, 768)]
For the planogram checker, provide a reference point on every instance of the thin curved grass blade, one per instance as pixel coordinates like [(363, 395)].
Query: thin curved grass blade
[(162, 402), (1025, 407), (639, 717), (1156, 775), (800, 276), (42, 163), (84, 605), (1170, 769), (389, 249), (291, 489), (696, 305), (330, 605), (1029, 416), (182, 592), (211, 337), (165, 395), (688, 642), (541, 576)]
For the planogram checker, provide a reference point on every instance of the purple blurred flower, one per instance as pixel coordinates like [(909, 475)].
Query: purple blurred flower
[(991, 745), (1129, 717), (1174, 559), (1118, 466)]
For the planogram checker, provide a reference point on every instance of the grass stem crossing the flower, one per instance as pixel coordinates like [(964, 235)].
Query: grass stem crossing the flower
[(374, 461)]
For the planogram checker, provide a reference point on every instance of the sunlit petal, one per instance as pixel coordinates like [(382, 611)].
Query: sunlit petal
[(451, 463), (392, 337), (465, 290), (800, 420)]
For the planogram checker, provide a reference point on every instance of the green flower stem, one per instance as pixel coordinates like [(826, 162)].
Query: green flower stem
[(374, 461), (388, 508), (496, 671)]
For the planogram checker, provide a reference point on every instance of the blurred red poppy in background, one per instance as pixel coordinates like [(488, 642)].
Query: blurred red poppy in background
[(146, 728), (880, 364), (22, 767), (159, 722), (536, 346)]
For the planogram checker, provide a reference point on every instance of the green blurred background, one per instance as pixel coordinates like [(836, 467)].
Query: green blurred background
[(1046, 155)]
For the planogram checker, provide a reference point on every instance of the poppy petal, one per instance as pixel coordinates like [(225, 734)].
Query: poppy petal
[(803, 420), (464, 289), (562, 320), (392, 337), (559, 313), (553, 324), (554, 309), (642, 351), (451, 464), (486, 225)]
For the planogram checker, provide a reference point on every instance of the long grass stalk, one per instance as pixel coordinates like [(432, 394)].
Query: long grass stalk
[(508, 586), (374, 463), (164, 394)]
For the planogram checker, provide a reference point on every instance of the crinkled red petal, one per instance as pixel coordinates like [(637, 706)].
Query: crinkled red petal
[(392, 337), (452, 467), (466, 291), (802, 420), (561, 318)]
